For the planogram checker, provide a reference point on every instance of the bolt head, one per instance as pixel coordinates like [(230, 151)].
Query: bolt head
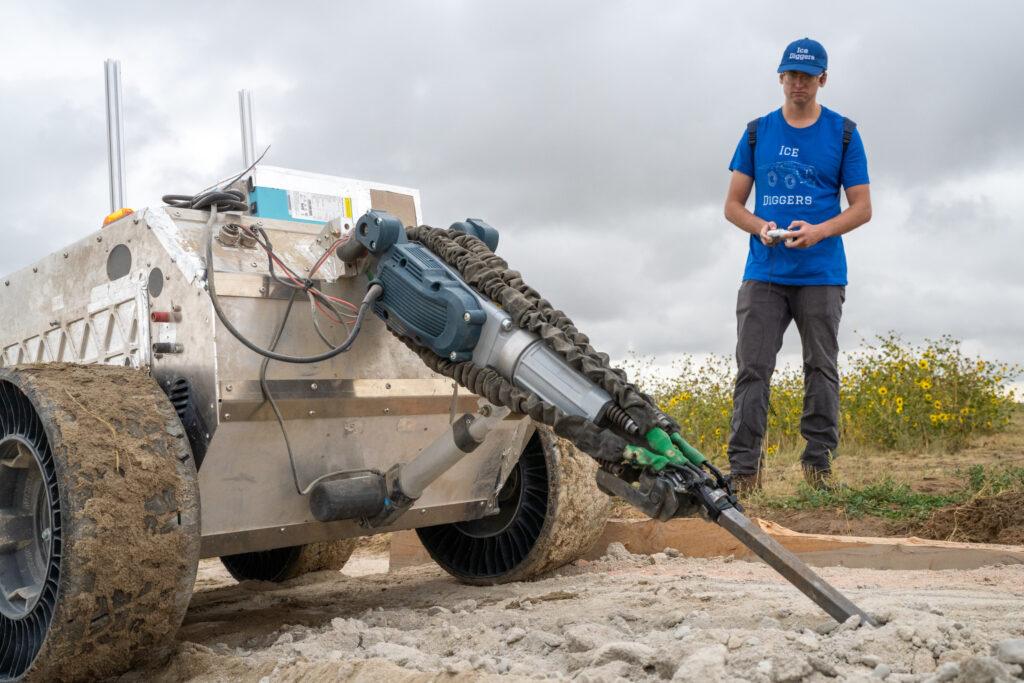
[(466, 317), (506, 324), (379, 221), (228, 388), (314, 386), (453, 355)]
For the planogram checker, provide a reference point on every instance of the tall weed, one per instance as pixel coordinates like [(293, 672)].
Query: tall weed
[(893, 395)]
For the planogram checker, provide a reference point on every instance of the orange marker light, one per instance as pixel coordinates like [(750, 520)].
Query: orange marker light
[(117, 215)]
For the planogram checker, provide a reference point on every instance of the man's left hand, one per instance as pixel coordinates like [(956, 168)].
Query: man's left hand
[(804, 235)]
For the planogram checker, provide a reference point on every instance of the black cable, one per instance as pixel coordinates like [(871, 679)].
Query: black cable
[(225, 200), (232, 181), (265, 388), (372, 294)]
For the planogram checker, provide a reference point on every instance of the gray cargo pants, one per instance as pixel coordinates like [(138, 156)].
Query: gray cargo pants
[(763, 312)]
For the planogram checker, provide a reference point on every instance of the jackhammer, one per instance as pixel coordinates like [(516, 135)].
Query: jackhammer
[(453, 301)]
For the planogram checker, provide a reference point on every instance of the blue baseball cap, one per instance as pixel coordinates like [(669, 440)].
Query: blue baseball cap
[(804, 55)]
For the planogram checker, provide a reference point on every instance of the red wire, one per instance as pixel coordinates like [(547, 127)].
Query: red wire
[(327, 313), (290, 274)]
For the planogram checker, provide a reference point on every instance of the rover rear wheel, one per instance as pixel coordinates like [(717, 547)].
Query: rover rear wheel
[(281, 564), (550, 513), (99, 521)]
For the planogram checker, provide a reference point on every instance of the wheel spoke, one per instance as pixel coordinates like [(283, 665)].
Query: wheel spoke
[(24, 593)]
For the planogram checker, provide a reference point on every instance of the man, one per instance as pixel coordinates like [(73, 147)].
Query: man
[(798, 157)]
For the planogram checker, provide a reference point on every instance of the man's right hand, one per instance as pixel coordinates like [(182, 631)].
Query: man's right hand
[(765, 239)]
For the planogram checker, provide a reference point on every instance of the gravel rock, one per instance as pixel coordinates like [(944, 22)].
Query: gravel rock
[(623, 651), (585, 636), (612, 672), (672, 552), (705, 664), (823, 667), (808, 640), (1010, 651), (983, 670), (543, 641), (514, 635), (464, 606), (924, 662), (617, 551), (882, 671), (790, 668), (403, 656), (436, 610), (946, 672), (849, 625)]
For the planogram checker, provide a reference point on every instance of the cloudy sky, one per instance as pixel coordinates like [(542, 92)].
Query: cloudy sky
[(595, 135)]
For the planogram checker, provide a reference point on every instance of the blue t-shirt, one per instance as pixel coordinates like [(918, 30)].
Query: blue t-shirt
[(797, 177)]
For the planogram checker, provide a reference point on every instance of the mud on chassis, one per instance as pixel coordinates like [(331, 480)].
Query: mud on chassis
[(195, 349)]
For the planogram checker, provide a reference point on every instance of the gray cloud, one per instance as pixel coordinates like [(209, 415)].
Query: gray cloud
[(594, 135)]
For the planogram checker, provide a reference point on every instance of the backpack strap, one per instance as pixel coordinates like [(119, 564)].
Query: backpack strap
[(752, 134), (849, 125)]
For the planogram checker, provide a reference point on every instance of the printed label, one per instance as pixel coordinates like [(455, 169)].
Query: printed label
[(314, 207)]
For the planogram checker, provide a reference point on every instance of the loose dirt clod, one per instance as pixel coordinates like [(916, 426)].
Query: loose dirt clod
[(997, 519)]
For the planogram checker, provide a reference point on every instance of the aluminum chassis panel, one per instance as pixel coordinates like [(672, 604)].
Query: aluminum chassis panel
[(366, 409)]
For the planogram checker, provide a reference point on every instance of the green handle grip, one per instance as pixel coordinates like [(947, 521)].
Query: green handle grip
[(691, 453)]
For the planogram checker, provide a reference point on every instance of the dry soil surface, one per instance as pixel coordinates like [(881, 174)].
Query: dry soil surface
[(643, 618)]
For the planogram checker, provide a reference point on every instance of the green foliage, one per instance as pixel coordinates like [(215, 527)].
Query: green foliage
[(895, 500), (893, 395), (995, 481), (905, 397), (885, 498)]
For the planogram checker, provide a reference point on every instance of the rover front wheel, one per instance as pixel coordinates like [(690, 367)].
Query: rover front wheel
[(99, 522)]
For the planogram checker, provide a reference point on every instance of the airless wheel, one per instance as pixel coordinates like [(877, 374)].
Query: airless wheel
[(550, 513), (99, 522), (281, 564)]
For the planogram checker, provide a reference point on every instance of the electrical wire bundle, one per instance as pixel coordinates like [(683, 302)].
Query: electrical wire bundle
[(351, 316), (319, 301)]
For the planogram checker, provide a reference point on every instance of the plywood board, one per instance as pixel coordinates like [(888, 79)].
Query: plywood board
[(698, 538), (403, 206)]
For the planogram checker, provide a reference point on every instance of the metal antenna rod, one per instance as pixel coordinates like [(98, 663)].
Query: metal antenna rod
[(115, 133), (245, 114)]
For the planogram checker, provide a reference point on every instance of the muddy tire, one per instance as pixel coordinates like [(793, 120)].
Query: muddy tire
[(99, 540), (551, 513), (282, 564)]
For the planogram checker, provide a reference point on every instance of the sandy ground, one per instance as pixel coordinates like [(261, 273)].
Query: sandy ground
[(633, 617)]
